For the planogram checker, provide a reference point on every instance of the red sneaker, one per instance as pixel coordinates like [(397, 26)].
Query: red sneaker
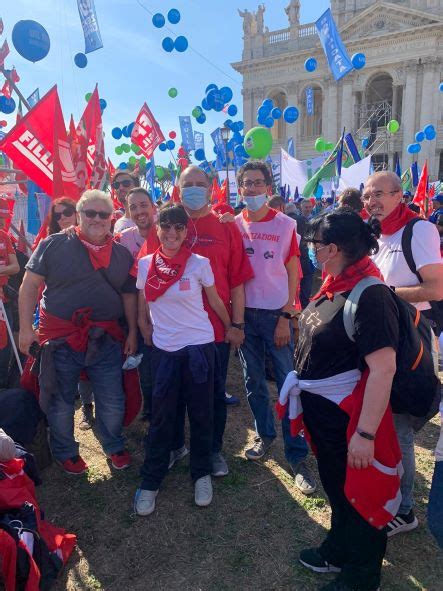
[(75, 465), (120, 460)]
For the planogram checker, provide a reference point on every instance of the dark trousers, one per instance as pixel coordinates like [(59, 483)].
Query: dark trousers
[(222, 351), (305, 289), (145, 375), (6, 352), (173, 377), (351, 543)]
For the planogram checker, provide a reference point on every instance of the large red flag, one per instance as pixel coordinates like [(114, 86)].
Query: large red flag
[(147, 134), (38, 146), (223, 196), (215, 190), (421, 193)]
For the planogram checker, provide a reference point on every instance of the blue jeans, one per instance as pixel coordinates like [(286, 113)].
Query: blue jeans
[(405, 434), (105, 375), (145, 375), (435, 506), (259, 336)]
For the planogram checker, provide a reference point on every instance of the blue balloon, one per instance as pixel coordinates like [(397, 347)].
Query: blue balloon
[(290, 114), (7, 105), (414, 148), (311, 64), (174, 16), (168, 44), (200, 154), (125, 131), (228, 123), (123, 165), (218, 102), (181, 44), (240, 125), (232, 110), (205, 104), (429, 132), (358, 60), (130, 128), (210, 97), (116, 133), (158, 20), (103, 104), (263, 112), (237, 137), (170, 144), (441, 86), (226, 94), (269, 103), (201, 119), (419, 136), (211, 87), (269, 122), (31, 40), (162, 147), (276, 113), (80, 60)]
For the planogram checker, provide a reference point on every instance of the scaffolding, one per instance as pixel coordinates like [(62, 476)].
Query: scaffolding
[(372, 121)]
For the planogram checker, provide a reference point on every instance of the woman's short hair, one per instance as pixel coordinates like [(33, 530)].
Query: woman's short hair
[(172, 214), (254, 165), (351, 198), (53, 225), (346, 229), (94, 195)]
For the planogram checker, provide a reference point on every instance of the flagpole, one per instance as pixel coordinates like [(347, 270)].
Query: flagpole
[(14, 86), (14, 348)]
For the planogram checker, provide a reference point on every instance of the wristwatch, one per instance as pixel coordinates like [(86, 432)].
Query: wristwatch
[(366, 435), (288, 315), (239, 325)]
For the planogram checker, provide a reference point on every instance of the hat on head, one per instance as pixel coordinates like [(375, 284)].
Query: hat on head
[(4, 208)]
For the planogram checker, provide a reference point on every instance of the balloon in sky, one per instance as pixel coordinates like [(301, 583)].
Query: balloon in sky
[(181, 44), (158, 20), (132, 160), (130, 128), (126, 148), (290, 114), (162, 147), (232, 110), (414, 148), (136, 149), (31, 40), (211, 86), (170, 144), (358, 60), (88, 96), (168, 44), (123, 165), (118, 150), (276, 113), (263, 112), (311, 64), (201, 119), (258, 142), (268, 103), (329, 147), (172, 135), (80, 60), (205, 105), (172, 92), (419, 136), (429, 132), (226, 94), (125, 131), (393, 126), (269, 122), (103, 105), (116, 133), (7, 105), (196, 112), (3, 123), (199, 154), (174, 16)]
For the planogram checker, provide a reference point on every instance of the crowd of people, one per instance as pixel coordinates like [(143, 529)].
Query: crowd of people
[(172, 290)]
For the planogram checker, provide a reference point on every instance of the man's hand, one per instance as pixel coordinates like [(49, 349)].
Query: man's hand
[(226, 218), (25, 339), (235, 336), (146, 330), (360, 452), (282, 333), (130, 343)]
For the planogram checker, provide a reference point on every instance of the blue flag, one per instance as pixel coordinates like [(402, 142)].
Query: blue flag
[(33, 98), (291, 147), (352, 148), (205, 166), (335, 51), (309, 101), (91, 31), (187, 133), (34, 221), (397, 166), (150, 177), (221, 148), (199, 140), (415, 173)]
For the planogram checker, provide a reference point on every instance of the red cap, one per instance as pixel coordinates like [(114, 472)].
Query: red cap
[(4, 208)]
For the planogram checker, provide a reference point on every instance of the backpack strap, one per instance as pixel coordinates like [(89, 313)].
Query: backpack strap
[(350, 307), (406, 246)]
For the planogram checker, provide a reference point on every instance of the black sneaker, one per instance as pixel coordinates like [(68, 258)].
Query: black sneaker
[(312, 559), (402, 523), (259, 449)]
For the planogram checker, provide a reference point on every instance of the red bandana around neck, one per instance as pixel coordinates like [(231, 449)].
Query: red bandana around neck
[(164, 271), (348, 278), (99, 254), (397, 219)]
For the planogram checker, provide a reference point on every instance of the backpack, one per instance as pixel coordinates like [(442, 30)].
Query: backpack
[(406, 246), (416, 386)]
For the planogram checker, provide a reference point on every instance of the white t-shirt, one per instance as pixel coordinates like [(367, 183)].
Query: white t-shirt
[(178, 317), (132, 240), (390, 260), (123, 223)]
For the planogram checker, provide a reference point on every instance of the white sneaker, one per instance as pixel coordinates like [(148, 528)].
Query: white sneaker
[(144, 502), (176, 455), (203, 491)]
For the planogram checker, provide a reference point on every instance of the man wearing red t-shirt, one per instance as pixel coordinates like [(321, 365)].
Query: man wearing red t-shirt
[(270, 240), (222, 245), (8, 266)]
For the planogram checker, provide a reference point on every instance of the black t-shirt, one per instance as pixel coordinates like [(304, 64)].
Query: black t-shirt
[(72, 283), (324, 349)]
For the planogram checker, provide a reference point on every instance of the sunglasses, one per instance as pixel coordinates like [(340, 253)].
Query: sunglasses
[(177, 227), (126, 184), (66, 213), (92, 213)]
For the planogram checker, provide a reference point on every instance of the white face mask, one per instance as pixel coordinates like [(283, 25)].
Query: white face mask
[(255, 202)]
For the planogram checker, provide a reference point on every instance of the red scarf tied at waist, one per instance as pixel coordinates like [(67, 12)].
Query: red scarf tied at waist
[(99, 254), (164, 271), (348, 278), (397, 219), (75, 330)]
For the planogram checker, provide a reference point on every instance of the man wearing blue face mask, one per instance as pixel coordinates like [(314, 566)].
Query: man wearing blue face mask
[(269, 238)]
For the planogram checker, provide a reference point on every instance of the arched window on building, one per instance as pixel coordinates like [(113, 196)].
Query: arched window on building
[(378, 100), (311, 125), (279, 131)]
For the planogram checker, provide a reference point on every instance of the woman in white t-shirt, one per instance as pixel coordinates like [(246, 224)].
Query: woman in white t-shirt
[(172, 318)]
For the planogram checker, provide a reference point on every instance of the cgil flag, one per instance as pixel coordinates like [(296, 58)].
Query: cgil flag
[(91, 31), (187, 133), (335, 51), (147, 134)]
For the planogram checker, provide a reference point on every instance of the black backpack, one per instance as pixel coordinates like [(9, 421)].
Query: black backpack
[(416, 386)]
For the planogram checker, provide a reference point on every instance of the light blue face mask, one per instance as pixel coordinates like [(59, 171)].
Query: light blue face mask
[(255, 202), (194, 197), (313, 258)]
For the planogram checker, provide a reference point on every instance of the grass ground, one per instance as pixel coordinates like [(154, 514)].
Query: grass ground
[(248, 539)]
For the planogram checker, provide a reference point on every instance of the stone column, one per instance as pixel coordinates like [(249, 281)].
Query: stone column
[(331, 131), (408, 112), (347, 106), (247, 107), (428, 114)]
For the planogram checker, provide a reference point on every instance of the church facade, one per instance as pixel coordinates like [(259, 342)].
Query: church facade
[(403, 44)]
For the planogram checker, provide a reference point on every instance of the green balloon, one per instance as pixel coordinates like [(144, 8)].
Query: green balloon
[(88, 96), (393, 126), (258, 142), (135, 149), (159, 172), (320, 144), (172, 92), (126, 148), (329, 147), (143, 160), (118, 150), (132, 160), (196, 112)]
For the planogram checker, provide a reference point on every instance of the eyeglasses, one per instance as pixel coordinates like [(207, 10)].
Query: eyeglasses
[(67, 212), (378, 194), (313, 241), (257, 183), (92, 213), (126, 184), (177, 227)]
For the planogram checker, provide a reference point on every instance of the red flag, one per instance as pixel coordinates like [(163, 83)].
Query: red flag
[(71, 131), (111, 172), (14, 77), (41, 150), (215, 190), (431, 192), (223, 196), (147, 134), (421, 193), (4, 52), (21, 245), (175, 195)]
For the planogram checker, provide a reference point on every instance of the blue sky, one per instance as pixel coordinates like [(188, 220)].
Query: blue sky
[(132, 67)]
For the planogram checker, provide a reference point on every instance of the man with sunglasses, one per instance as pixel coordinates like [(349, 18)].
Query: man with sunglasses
[(270, 240), (122, 183), (382, 198), (87, 291)]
